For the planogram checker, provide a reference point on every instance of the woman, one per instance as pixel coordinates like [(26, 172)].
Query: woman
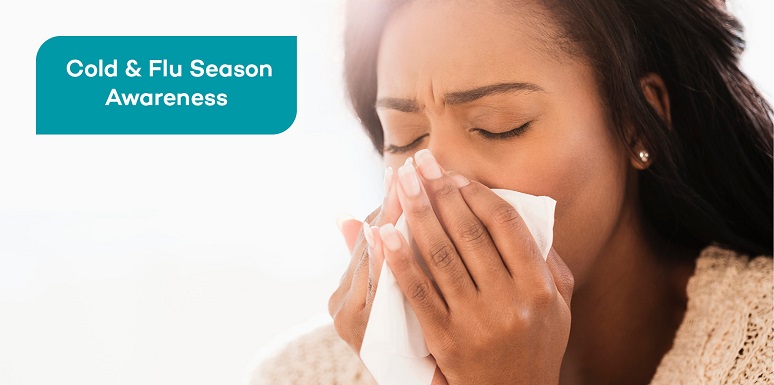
[(634, 116)]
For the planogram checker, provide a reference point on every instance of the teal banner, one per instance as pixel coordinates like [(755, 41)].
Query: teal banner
[(166, 85)]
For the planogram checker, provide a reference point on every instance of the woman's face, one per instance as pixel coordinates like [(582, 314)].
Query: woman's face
[(458, 78)]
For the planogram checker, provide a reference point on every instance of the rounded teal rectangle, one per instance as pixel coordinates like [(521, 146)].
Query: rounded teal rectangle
[(166, 85)]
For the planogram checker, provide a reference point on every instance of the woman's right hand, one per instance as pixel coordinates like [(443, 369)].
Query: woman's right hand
[(350, 304)]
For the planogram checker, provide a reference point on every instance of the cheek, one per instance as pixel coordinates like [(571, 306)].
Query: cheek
[(578, 161), (587, 177)]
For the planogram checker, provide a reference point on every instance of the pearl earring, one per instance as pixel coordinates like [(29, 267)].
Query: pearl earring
[(644, 156)]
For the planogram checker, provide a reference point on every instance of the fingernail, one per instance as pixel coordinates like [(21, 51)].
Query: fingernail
[(377, 230), (341, 219), (367, 234), (387, 179), (408, 178), (390, 237), (427, 164), (459, 180)]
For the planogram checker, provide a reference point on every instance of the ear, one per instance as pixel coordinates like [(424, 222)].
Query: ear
[(655, 92)]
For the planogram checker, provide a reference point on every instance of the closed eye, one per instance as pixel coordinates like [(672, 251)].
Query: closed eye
[(502, 135), (401, 149)]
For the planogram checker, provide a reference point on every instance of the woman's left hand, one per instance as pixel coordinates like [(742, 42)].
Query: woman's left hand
[(502, 315)]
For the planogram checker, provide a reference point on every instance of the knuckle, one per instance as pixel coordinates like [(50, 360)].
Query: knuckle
[(543, 296), (421, 211), (516, 318), (444, 189), (363, 259), (371, 288), (472, 232), (420, 291), (506, 215), (441, 255)]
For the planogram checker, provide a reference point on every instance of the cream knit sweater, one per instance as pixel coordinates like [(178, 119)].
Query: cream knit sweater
[(726, 336)]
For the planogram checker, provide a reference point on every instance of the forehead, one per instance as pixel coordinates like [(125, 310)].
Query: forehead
[(433, 47)]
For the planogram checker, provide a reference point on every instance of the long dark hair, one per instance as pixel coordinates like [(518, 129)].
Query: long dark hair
[(711, 176)]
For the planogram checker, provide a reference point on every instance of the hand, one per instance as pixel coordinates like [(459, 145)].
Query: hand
[(501, 314), (350, 304)]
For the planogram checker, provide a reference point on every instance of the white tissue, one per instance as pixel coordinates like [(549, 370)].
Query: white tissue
[(394, 348)]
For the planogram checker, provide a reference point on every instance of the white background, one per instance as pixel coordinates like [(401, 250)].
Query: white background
[(176, 259)]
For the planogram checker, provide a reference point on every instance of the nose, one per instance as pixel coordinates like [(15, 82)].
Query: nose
[(453, 154)]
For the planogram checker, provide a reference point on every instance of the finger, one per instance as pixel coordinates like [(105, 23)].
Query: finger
[(388, 212), (349, 228), (391, 209), (563, 278), (359, 247), (375, 261), (345, 283), (359, 289), (437, 249), (517, 247), (426, 302), (469, 235)]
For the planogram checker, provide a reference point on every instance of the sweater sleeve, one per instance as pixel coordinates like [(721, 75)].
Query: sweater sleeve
[(727, 334), (319, 357)]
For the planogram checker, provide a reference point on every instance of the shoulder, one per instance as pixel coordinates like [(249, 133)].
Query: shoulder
[(726, 334), (716, 261), (318, 357)]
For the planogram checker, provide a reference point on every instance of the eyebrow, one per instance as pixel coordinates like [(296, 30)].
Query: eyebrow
[(403, 105), (478, 93), (459, 97)]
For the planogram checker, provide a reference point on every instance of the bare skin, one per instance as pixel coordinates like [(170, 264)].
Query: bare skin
[(450, 75)]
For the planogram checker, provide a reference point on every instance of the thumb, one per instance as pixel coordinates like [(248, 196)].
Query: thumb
[(350, 229)]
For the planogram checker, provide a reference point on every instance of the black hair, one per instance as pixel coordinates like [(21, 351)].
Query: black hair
[(710, 180)]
